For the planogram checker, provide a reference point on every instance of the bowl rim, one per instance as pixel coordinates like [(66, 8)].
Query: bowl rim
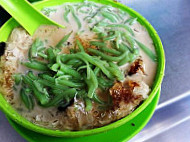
[(11, 113)]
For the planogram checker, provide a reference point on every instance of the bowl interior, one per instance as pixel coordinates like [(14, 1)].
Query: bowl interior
[(11, 113)]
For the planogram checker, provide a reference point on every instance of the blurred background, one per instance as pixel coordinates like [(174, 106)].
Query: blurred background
[(171, 120)]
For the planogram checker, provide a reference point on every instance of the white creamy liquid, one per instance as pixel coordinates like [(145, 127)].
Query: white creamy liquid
[(49, 116)]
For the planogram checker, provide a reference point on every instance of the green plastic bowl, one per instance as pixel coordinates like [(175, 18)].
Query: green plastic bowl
[(11, 113)]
